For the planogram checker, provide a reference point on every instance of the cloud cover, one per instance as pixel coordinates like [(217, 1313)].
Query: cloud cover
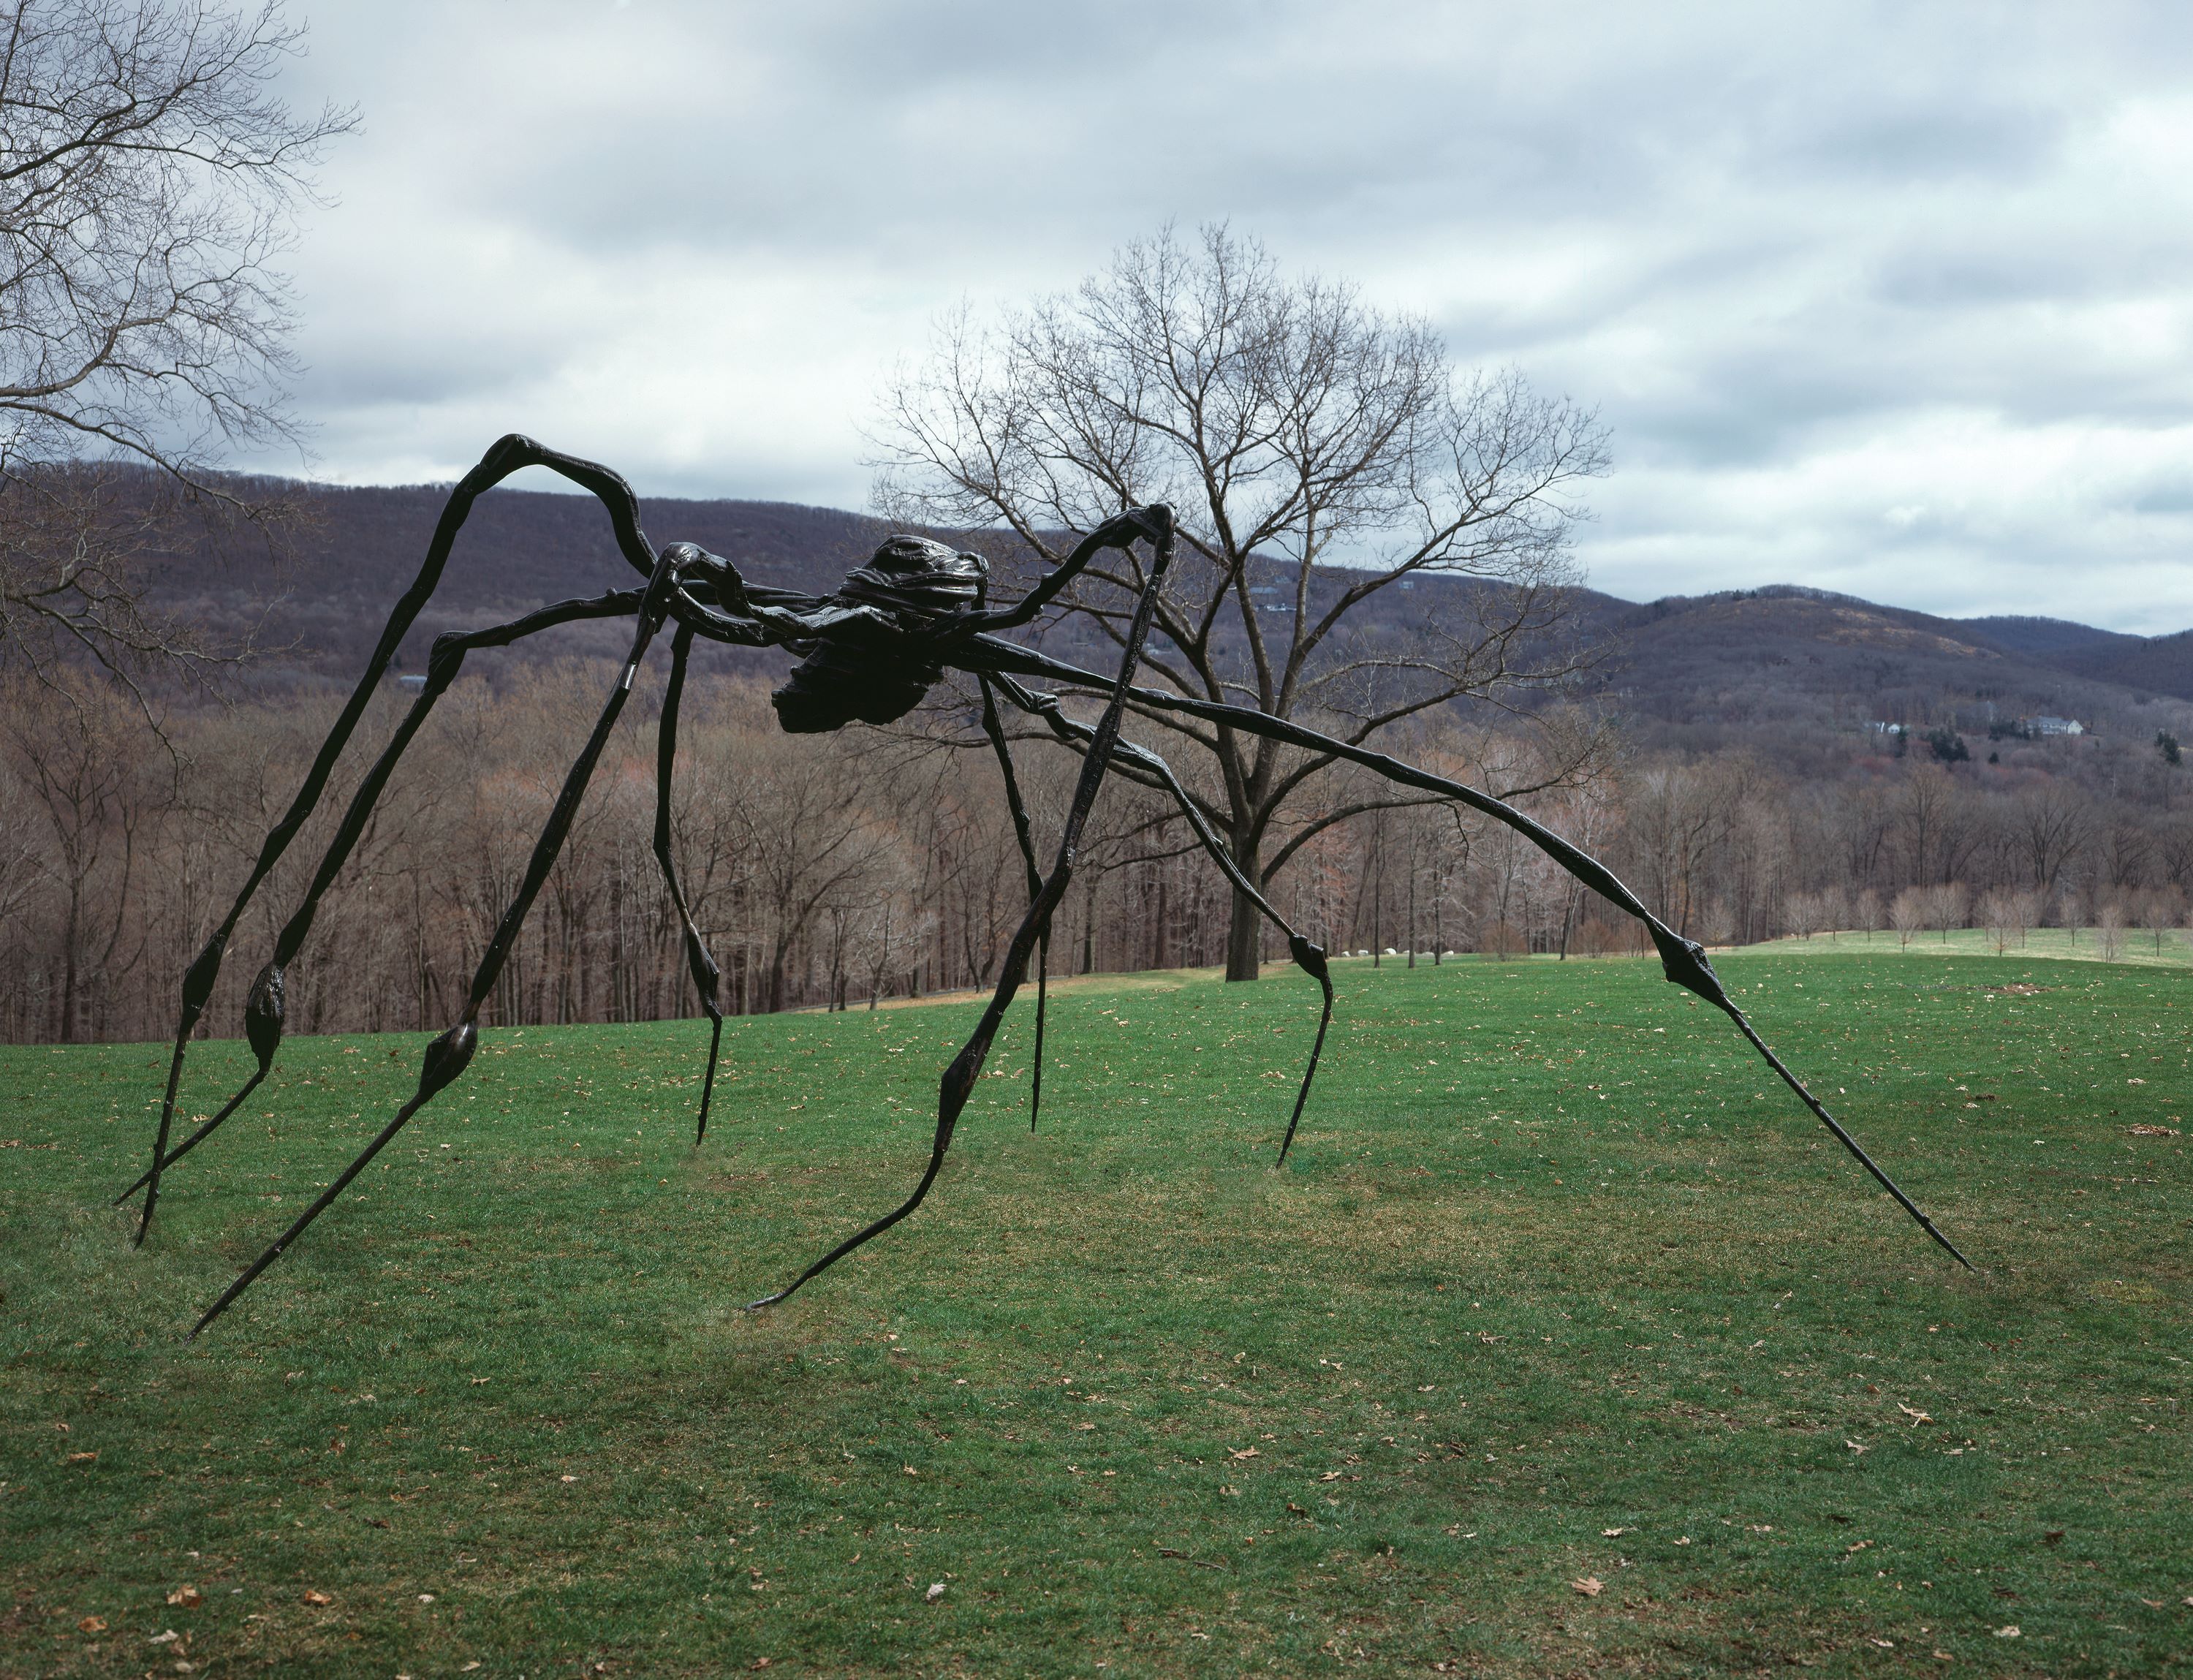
[(1885, 299)]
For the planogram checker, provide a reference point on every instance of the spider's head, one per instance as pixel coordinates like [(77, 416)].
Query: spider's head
[(913, 575), (861, 671)]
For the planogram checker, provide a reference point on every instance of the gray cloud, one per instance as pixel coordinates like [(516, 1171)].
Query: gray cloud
[(1882, 298)]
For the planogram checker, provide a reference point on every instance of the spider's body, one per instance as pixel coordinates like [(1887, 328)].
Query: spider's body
[(870, 652), (876, 660)]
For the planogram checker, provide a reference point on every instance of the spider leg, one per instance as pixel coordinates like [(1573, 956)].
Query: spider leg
[(1684, 961), (706, 975), (959, 1081), (449, 1055), (1154, 522), (264, 1013), (507, 455), (1156, 772), (992, 728)]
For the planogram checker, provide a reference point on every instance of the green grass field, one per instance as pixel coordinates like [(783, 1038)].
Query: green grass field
[(1566, 1345)]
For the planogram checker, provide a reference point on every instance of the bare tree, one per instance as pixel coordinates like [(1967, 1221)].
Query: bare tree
[(81, 769), (2049, 827), (1908, 914), (149, 180), (1998, 911), (1317, 454), (1802, 915), (2109, 931), (1834, 910), (1867, 914), (1949, 906)]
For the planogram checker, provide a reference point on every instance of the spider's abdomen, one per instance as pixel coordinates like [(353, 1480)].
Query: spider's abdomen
[(872, 668)]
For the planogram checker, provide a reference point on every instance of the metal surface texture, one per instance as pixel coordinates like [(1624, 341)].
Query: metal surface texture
[(870, 652)]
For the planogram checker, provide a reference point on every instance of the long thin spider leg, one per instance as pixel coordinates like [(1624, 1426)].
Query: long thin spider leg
[(1684, 961), (959, 1080), (507, 455), (1309, 957), (698, 959), (1118, 532), (264, 1012), (448, 1056), (995, 730)]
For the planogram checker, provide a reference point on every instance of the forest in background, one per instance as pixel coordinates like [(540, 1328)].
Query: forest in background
[(835, 871)]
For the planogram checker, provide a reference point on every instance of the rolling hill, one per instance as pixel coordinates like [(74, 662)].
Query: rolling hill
[(1694, 671)]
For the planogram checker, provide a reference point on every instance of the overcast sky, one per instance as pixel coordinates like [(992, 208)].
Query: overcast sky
[(1892, 300)]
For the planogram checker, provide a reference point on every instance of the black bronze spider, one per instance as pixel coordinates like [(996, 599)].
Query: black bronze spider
[(870, 652)]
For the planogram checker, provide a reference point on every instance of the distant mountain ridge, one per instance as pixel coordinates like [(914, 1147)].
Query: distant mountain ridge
[(1701, 671), (2046, 636), (1699, 666)]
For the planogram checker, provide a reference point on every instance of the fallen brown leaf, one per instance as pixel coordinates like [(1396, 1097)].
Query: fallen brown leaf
[(1591, 1586), (81, 1458), (187, 1596), (314, 1596), (91, 1624)]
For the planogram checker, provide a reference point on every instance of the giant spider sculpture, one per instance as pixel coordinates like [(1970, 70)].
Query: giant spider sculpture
[(870, 652)]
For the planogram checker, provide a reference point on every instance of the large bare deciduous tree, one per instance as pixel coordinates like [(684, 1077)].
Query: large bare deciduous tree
[(1320, 456), (149, 180)]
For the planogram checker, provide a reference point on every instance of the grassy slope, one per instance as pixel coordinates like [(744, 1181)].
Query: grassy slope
[(1552, 1258)]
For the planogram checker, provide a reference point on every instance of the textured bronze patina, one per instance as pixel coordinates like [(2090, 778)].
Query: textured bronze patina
[(870, 652)]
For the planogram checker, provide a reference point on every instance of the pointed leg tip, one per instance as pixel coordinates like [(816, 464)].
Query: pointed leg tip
[(765, 1301)]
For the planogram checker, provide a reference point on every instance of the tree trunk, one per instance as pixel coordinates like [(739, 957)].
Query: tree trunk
[(1244, 941)]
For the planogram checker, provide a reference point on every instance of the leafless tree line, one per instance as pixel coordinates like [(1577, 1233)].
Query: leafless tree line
[(838, 872), (833, 872), (1734, 853)]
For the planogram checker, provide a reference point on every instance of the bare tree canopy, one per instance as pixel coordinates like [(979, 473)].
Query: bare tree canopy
[(149, 180), (1319, 455)]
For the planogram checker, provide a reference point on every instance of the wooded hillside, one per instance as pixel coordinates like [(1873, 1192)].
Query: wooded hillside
[(1777, 760)]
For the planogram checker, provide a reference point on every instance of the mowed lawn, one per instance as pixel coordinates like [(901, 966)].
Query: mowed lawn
[(1567, 1343)]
